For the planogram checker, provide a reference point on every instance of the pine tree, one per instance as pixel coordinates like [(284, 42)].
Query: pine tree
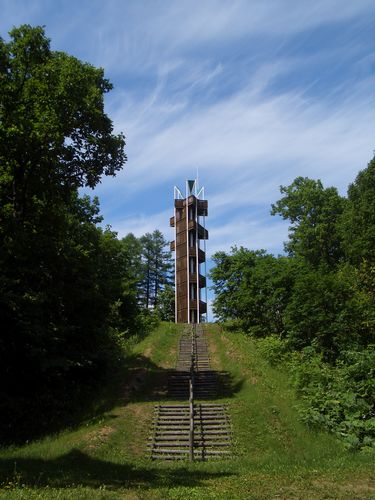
[(157, 267)]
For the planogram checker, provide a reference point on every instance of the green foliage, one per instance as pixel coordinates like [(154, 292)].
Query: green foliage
[(156, 268), (358, 222), (313, 212), (330, 310), (253, 288), (232, 325), (317, 304), (60, 275), (69, 290), (275, 455), (273, 349), (340, 398), (166, 304)]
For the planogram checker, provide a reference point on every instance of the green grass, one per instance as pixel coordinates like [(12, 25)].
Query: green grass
[(275, 455)]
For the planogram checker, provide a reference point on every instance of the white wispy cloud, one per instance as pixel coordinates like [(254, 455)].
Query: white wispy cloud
[(257, 135), (140, 223), (249, 232), (152, 31), (222, 86)]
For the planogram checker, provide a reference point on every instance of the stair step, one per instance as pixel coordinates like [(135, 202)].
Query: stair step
[(171, 423)]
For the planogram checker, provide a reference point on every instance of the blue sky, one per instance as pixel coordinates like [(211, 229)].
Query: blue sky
[(252, 93)]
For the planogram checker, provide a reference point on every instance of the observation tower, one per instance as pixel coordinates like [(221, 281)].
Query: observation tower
[(189, 222)]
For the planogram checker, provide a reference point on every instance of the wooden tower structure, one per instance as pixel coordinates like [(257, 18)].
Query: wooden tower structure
[(190, 213)]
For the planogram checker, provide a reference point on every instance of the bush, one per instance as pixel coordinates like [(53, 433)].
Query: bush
[(273, 349), (232, 325), (339, 398)]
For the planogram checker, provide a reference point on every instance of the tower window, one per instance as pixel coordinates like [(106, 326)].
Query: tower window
[(192, 264), (192, 238)]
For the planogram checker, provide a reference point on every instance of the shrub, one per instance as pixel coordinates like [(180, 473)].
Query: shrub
[(339, 398), (273, 349)]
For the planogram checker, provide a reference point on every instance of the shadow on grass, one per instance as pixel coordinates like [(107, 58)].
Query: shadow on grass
[(153, 383), (209, 385), (44, 411), (137, 379), (77, 468)]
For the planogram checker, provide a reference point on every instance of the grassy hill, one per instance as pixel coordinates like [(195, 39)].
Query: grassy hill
[(275, 455)]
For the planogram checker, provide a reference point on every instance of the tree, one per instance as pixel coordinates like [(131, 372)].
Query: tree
[(358, 221), (253, 288), (328, 310), (54, 134), (128, 306), (60, 274), (314, 212), (157, 267), (132, 249), (166, 304), (227, 276), (319, 300)]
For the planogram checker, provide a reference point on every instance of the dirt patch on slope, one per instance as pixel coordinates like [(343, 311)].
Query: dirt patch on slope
[(98, 437), (141, 416)]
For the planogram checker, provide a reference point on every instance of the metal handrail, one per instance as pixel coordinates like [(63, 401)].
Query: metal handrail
[(191, 430), (191, 397)]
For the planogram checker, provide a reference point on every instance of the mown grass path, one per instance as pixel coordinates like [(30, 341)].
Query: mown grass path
[(275, 455)]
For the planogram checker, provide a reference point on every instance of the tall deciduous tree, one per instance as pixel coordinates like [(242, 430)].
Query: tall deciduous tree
[(253, 288), (166, 304), (314, 212), (59, 273), (359, 219), (320, 300)]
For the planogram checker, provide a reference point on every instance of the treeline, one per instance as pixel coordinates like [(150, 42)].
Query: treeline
[(71, 293), (149, 288), (314, 309)]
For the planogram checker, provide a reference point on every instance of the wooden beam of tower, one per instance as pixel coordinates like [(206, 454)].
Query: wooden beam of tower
[(190, 259)]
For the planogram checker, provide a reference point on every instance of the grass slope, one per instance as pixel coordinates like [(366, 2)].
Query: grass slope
[(275, 455)]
